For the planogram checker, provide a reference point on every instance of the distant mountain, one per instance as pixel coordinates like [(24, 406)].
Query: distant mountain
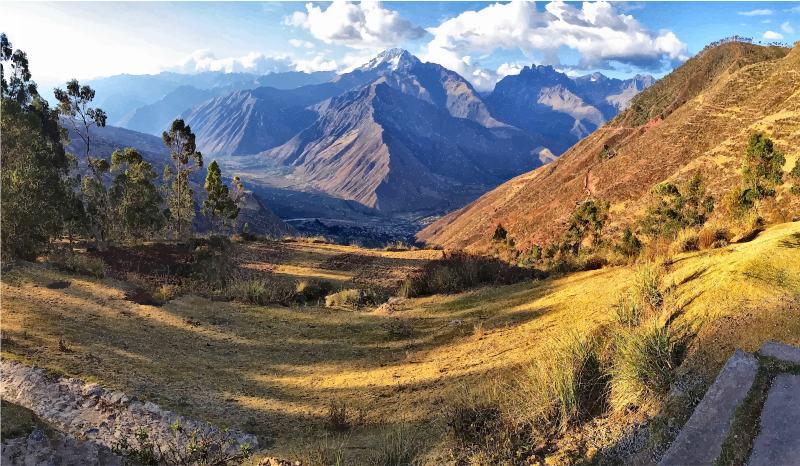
[(550, 103), (295, 79), (151, 118), (105, 141), (392, 151), (698, 117)]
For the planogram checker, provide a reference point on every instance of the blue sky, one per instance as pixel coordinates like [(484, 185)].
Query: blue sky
[(483, 41)]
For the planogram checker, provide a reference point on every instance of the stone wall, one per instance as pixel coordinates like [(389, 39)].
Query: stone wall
[(87, 411)]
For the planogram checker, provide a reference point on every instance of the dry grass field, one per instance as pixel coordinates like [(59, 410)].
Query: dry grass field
[(275, 371)]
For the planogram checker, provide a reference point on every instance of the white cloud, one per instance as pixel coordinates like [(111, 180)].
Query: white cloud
[(300, 43), (756, 13), (793, 10), (596, 30), (363, 26), (318, 63), (772, 35), (204, 60), (786, 28), (766, 21)]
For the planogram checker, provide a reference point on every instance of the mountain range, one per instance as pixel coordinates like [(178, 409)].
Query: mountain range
[(698, 117), (395, 134)]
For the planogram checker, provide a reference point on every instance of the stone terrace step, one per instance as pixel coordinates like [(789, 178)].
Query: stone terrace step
[(778, 443), (700, 440), (780, 351)]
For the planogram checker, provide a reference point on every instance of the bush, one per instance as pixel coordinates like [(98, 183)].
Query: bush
[(645, 360), (398, 329), (396, 247), (313, 289), (712, 236), (79, 264), (629, 245), (263, 292), (355, 298), (687, 240), (189, 447)]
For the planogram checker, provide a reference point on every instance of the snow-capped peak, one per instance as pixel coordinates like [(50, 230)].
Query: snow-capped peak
[(391, 59)]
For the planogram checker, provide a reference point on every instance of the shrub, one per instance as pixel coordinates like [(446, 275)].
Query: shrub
[(629, 245), (336, 417), (79, 264), (645, 360), (400, 445), (262, 292), (314, 288), (500, 233), (343, 298), (188, 447), (687, 240), (398, 329), (713, 235), (396, 247)]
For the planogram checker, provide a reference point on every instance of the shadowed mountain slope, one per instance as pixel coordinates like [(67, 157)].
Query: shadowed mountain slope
[(744, 88), (106, 140), (389, 150)]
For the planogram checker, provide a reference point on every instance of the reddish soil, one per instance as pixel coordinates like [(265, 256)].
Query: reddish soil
[(162, 263)]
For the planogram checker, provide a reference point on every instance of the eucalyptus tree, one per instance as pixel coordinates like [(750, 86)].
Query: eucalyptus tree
[(181, 142)]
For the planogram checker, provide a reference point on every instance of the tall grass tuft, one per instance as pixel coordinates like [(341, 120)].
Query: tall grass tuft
[(645, 361), (627, 311), (646, 283), (687, 240), (566, 385), (400, 445)]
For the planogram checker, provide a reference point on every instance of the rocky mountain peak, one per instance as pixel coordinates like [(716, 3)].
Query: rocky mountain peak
[(392, 59)]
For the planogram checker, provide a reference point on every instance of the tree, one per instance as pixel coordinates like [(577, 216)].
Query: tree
[(673, 209), (217, 194), (587, 221), (239, 199), (762, 169), (74, 104), (136, 195), (795, 175), (181, 142), (33, 164), (500, 233)]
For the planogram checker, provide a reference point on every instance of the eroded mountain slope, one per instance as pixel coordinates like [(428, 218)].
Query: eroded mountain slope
[(750, 88)]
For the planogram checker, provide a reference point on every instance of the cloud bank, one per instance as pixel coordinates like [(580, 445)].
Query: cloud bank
[(596, 30), (366, 25), (204, 60), (756, 13)]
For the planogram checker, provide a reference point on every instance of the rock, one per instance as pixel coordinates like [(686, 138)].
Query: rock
[(778, 441), (700, 440), (780, 351), (93, 390), (454, 323)]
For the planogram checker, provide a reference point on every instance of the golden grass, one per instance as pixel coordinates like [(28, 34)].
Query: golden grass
[(275, 371)]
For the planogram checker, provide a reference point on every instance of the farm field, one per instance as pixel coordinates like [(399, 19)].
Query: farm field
[(275, 371)]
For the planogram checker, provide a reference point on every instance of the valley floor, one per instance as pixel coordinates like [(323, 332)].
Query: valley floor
[(274, 371)]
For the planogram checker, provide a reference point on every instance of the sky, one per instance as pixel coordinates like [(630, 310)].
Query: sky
[(482, 41)]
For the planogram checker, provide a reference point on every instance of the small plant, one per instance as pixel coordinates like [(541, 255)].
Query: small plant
[(712, 236), (314, 288), (646, 283), (80, 264), (687, 240), (627, 311), (400, 445), (398, 329), (354, 298), (336, 418), (478, 332), (263, 292), (188, 447), (645, 360)]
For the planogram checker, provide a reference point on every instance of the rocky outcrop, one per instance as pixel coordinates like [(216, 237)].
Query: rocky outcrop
[(55, 448), (88, 411)]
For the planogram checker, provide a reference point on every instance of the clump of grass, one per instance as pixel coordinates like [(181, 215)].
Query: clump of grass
[(713, 236), (398, 329), (396, 247), (79, 264), (647, 282), (627, 311), (262, 292), (478, 331), (400, 445), (336, 418), (566, 385), (687, 240), (325, 451), (645, 360), (352, 297)]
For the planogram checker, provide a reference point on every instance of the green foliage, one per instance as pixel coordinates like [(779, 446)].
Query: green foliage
[(672, 209), (219, 202), (135, 196), (188, 447), (795, 175), (587, 221), (183, 148), (500, 233), (630, 244), (34, 165), (762, 169)]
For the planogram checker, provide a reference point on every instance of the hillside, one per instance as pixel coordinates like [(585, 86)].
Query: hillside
[(701, 124), (389, 150)]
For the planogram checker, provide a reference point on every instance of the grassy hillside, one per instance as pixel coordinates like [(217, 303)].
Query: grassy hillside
[(708, 132), (276, 371)]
